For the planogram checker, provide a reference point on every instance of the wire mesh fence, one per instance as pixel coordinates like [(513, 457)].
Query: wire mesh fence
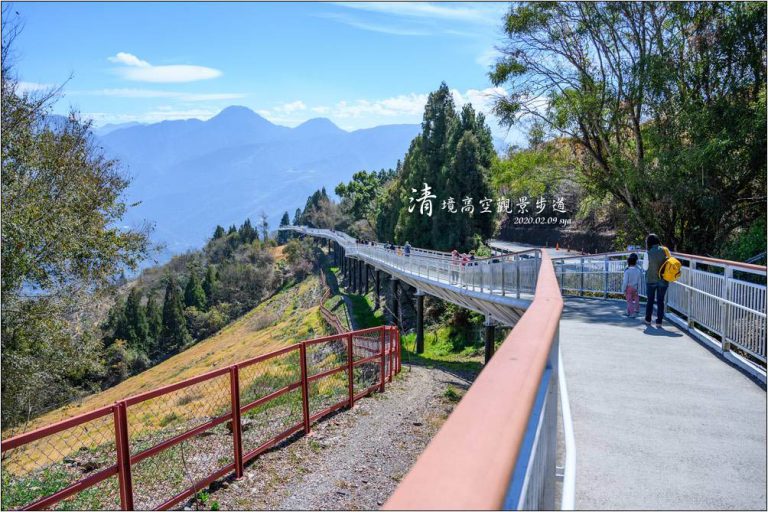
[(156, 449)]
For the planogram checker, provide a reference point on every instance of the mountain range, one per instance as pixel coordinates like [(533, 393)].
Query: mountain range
[(188, 176)]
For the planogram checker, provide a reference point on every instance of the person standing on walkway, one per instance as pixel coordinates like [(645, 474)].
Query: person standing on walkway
[(655, 286), (407, 249), (455, 260), (631, 285)]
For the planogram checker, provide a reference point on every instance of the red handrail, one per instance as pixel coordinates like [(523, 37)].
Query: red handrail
[(468, 464)]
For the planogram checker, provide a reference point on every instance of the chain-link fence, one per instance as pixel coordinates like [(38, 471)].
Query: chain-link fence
[(156, 449)]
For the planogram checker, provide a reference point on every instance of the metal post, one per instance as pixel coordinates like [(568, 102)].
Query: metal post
[(691, 268), (725, 308), (351, 370), (365, 279), (123, 456), (503, 291), (518, 262), (605, 278), (399, 349), (304, 386), (395, 305), (581, 286), (383, 360), (391, 344), (237, 437), (490, 334), (419, 322), (378, 290)]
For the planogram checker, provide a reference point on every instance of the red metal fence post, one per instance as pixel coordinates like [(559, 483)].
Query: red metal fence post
[(123, 456), (351, 369), (304, 385), (237, 436), (391, 347), (399, 349), (383, 362)]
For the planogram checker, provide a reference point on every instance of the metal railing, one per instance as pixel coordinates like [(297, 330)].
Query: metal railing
[(498, 447), (156, 449), (509, 275), (722, 300)]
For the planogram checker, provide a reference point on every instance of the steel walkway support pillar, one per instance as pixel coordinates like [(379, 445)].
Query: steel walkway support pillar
[(378, 290), (355, 274), (490, 334), (394, 306), (419, 322), (365, 280)]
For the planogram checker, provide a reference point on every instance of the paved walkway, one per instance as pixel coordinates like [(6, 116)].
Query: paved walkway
[(660, 422)]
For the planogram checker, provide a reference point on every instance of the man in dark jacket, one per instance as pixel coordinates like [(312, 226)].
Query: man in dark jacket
[(655, 286)]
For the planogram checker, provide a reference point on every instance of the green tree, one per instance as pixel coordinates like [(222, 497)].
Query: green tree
[(194, 295), (664, 103), (209, 284), (62, 240), (174, 335), (135, 316), (284, 236), (218, 233), (297, 217), (154, 325)]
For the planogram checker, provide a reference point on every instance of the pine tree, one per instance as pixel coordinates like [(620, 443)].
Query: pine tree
[(136, 318), (218, 233), (284, 236), (297, 217), (209, 284), (174, 335), (232, 229), (194, 296), (154, 324), (247, 233)]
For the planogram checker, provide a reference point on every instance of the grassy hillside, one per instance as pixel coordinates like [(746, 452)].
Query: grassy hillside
[(289, 316)]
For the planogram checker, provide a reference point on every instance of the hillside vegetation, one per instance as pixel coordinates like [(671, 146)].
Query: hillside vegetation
[(290, 316)]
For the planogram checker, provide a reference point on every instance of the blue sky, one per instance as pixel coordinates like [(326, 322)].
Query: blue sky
[(359, 64)]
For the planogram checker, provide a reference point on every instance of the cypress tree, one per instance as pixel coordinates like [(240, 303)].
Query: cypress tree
[(218, 233), (174, 335), (154, 324), (232, 229), (209, 284), (136, 318), (194, 296), (297, 217), (283, 236)]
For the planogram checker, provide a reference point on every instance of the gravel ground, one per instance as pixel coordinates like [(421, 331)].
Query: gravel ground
[(352, 460)]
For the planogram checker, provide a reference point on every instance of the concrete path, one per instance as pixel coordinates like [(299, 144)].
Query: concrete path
[(660, 422)]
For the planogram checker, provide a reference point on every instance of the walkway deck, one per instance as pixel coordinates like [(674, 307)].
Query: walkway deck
[(660, 422)]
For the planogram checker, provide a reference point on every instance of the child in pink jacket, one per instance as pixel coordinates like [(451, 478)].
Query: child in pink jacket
[(631, 285)]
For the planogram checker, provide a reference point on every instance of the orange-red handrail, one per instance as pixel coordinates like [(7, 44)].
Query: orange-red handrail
[(469, 463)]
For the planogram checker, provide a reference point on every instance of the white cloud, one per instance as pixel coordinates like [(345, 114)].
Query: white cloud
[(129, 60), (294, 106), (135, 69), (153, 93), (26, 87), (486, 14), (163, 113), (488, 58)]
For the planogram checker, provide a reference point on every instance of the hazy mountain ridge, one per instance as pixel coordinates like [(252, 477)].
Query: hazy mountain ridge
[(191, 175)]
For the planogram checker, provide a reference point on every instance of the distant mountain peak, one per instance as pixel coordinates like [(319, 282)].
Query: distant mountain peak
[(318, 126), (236, 113)]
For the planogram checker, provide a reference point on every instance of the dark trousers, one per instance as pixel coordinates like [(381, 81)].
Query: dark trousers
[(655, 293)]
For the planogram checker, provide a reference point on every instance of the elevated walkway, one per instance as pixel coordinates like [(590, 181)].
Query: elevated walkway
[(659, 421)]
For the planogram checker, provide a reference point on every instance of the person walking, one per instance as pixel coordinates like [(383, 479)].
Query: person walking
[(631, 285), (655, 286), (455, 260), (407, 249)]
